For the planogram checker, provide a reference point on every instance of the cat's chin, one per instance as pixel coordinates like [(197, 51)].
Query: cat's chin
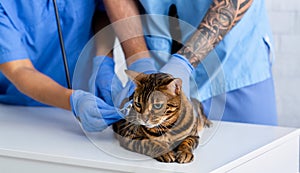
[(150, 126)]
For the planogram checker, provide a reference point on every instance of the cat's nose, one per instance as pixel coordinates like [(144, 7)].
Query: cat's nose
[(146, 119)]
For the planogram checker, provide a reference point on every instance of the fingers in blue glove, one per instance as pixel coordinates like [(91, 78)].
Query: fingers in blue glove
[(104, 80), (179, 67), (93, 112), (145, 65)]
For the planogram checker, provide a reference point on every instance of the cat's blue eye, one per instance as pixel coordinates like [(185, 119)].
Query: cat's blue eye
[(137, 104), (158, 106)]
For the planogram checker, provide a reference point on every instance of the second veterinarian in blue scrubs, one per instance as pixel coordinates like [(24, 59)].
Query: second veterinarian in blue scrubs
[(240, 79)]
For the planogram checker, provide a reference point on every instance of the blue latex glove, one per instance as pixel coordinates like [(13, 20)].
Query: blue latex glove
[(93, 113), (104, 80), (145, 65), (179, 67)]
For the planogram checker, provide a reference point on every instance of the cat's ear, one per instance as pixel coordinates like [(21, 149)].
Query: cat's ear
[(175, 86), (135, 76)]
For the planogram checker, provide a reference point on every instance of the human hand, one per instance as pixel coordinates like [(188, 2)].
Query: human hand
[(93, 113), (104, 80), (143, 65), (179, 67)]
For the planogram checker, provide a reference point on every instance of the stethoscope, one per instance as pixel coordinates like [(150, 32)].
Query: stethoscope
[(62, 46), (125, 110)]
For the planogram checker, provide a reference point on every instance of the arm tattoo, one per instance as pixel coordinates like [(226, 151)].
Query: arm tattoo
[(220, 18)]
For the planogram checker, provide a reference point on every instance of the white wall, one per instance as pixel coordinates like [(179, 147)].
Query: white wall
[(284, 16)]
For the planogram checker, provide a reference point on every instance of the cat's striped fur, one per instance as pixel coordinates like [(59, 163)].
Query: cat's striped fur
[(162, 123)]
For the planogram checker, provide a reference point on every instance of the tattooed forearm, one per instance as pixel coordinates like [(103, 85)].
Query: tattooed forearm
[(220, 18)]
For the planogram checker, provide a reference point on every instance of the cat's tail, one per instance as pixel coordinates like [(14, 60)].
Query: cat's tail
[(206, 121), (203, 121)]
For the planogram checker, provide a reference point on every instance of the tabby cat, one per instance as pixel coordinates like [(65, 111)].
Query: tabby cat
[(162, 123)]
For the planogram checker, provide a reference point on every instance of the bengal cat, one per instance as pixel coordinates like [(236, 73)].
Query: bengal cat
[(162, 123)]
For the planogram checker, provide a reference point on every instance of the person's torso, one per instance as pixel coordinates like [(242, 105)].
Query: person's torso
[(242, 58), (36, 22)]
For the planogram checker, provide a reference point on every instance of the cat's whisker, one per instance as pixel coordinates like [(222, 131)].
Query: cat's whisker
[(126, 125), (160, 129), (163, 126), (132, 120)]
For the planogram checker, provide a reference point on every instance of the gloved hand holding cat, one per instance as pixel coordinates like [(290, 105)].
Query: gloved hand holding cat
[(107, 93), (99, 108)]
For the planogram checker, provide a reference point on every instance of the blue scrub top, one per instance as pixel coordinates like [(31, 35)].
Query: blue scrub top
[(28, 30), (241, 59)]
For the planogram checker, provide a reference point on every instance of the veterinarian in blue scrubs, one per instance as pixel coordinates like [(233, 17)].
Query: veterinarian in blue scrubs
[(32, 70), (235, 76)]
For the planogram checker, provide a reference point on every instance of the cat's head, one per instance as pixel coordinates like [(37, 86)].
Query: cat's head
[(157, 98)]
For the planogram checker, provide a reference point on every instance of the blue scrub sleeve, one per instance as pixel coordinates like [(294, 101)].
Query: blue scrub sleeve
[(11, 45)]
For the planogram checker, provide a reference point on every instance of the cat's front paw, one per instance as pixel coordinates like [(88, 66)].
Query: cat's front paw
[(168, 157), (184, 156)]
